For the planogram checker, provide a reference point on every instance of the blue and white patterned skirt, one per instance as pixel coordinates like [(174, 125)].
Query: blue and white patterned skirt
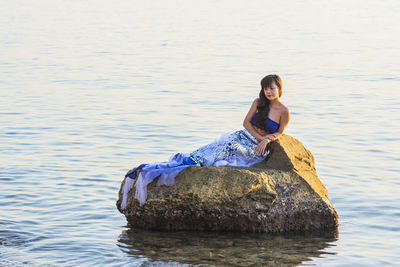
[(234, 149)]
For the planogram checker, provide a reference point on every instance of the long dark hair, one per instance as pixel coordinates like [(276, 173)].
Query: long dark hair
[(263, 102)]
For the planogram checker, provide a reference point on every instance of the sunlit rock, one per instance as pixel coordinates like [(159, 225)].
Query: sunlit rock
[(282, 193)]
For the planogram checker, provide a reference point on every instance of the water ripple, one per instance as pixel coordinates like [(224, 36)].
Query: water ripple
[(83, 101)]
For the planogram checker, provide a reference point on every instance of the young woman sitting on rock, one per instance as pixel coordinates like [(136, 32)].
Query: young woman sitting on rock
[(265, 122)]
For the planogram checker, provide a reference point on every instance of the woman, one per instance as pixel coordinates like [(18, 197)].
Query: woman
[(265, 122)]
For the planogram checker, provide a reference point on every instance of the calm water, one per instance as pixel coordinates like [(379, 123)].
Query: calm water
[(90, 89)]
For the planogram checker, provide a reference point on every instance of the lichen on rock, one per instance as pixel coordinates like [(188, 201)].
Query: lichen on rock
[(282, 193)]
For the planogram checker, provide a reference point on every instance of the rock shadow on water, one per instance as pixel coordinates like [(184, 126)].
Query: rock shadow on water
[(225, 248)]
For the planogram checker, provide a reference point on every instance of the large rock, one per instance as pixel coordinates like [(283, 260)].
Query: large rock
[(282, 193)]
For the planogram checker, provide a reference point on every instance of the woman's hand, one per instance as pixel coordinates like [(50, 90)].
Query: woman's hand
[(270, 137), (263, 144), (261, 147)]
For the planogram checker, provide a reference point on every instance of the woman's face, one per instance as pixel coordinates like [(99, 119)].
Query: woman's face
[(272, 91)]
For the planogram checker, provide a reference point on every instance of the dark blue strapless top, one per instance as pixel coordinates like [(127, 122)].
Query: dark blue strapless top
[(270, 125)]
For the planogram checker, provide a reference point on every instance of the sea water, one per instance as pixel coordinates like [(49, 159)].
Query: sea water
[(90, 89)]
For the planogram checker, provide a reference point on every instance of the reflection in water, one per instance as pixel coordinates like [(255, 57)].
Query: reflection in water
[(225, 249)]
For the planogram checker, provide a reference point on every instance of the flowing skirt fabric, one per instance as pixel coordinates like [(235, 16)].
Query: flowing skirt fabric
[(233, 149)]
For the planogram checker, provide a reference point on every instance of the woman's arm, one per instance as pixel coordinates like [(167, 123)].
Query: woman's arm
[(247, 124)]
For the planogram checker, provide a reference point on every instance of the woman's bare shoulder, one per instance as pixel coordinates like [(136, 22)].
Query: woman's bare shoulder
[(254, 106), (284, 109)]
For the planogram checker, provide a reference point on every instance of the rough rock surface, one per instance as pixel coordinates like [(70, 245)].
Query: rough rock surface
[(282, 193)]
